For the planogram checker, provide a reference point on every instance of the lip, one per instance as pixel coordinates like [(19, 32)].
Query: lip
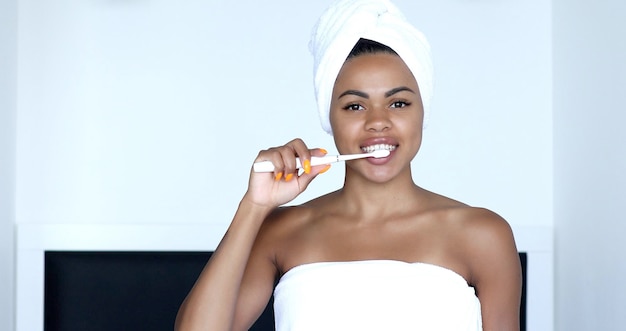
[(377, 141)]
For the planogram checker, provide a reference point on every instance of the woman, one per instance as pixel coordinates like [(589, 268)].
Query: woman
[(381, 253)]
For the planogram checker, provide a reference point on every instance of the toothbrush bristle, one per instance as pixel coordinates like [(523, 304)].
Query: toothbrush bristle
[(380, 153)]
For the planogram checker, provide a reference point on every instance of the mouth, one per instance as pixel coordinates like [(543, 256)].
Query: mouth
[(378, 147)]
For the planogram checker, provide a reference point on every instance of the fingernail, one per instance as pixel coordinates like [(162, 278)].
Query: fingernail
[(288, 177), (323, 151), (278, 176), (307, 166), (325, 169)]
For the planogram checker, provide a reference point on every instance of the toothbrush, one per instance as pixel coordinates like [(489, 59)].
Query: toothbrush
[(267, 166)]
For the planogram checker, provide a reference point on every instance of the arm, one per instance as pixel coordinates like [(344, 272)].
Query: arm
[(212, 301), (496, 271), (236, 283)]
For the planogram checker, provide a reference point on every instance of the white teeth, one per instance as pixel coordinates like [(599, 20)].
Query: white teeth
[(377, 147)]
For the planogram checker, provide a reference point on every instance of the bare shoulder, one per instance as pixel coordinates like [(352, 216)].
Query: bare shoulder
[(494, 266), (489, 248), (290, 218), (478, 225), (484, 227), (287, 222), (282, 222), (292, 235)]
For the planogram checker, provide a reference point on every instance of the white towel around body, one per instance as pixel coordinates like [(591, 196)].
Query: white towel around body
[(375, 295)]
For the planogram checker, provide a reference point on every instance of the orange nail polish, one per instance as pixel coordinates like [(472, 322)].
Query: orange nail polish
[(325, 169), (323, 151), (307, 166), (278, 176), (288, 177)]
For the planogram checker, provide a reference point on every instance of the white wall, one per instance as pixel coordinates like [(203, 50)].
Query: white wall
[(8, 83), (150, 112), (590, 160)]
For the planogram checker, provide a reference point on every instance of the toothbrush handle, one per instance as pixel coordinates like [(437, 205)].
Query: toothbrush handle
[(268, 166)]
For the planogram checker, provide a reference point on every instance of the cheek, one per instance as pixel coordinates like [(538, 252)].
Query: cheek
[(333, 120), (343, 133), (411, 128), (341, 122)]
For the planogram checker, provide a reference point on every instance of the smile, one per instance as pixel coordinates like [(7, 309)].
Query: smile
[(378, 147)]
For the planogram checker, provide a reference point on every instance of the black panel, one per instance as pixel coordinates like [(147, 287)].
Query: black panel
[(121, 290), (522, 312), (104, 291)]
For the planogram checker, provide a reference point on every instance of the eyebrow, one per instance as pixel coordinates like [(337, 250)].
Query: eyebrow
[(397, 90), (354, 92), (367, 96)]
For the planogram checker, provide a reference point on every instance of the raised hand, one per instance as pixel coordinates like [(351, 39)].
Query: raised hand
[(273, 189)]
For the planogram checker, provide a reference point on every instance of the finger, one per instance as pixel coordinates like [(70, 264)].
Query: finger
[(305, 179), (272, 155), (296, 148), (303, 153), (288, 160), (283, 158), (320, 169), (318, 152)]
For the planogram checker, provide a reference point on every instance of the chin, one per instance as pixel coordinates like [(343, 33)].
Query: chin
[(381, 176)]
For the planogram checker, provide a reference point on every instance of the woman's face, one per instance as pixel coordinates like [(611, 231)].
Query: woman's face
[(376, 104)]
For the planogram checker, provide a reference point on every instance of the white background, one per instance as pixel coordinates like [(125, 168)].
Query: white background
[(149, 113), (152, 111)]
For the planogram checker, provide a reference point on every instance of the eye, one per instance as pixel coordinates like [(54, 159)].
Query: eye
[(353, 107), (400, 104)]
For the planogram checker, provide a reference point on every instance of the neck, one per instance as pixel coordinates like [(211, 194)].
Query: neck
[(367, 199)]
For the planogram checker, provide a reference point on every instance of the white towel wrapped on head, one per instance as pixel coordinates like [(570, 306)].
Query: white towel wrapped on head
[(340, 28)]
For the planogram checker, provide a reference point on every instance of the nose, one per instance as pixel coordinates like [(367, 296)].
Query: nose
[(377, 120)]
